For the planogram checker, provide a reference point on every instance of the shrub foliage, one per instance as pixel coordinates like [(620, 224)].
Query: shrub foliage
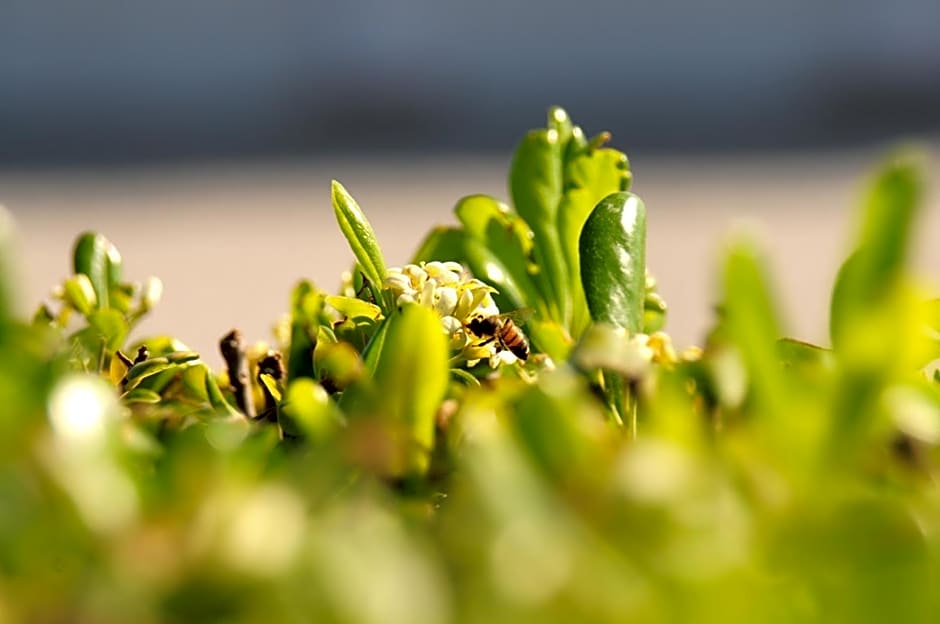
[(498, 431)]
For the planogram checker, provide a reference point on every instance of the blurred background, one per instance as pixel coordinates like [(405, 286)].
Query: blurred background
[(201, 136)]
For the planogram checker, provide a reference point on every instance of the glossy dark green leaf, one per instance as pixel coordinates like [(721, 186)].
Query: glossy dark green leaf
[(361, 238), (96, 257), (589, 178), (612, 249), (882, 248)]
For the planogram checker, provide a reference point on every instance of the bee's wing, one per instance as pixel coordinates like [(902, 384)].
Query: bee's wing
[(521, 315)]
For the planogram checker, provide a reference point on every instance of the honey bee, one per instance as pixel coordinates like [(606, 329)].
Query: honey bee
[(501, 329)]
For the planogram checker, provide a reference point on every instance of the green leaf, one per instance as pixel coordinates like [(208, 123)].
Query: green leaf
[(376, 346), (797, 353), (871, 272), (612, 249), (96, 257), (306, 308), (216, 398), (110, 325), (536, 183), (441, 243), (80, 294), (589, 178), (752, 326), (308, 411), (182, 357), (194, 382), (411, 379), (361, 238), (550, 338), (497, 250), (339, 362), (147, 368), (353, 308), (141, 395)]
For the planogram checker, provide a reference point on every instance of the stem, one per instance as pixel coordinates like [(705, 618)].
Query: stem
[(233, 352)]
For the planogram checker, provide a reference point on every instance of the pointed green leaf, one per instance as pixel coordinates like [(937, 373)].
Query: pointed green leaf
[(872, 270), (612, 249), (752, 326), (361, 238)]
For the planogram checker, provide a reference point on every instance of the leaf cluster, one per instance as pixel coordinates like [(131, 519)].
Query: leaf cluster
[(355, 470)]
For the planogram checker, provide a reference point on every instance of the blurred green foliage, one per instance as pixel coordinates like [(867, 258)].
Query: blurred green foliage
[(390, 461)]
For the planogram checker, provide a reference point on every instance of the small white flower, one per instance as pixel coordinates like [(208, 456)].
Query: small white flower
[(405, 298), (637, 357), (427, 294), (446, 300), (398, 282)]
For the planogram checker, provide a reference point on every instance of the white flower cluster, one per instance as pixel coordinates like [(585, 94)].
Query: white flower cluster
[(446, 288)]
